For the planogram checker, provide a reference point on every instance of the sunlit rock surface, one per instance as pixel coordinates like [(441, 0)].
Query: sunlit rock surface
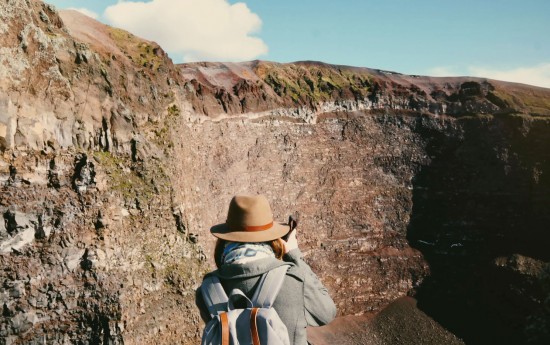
[(115, 162)]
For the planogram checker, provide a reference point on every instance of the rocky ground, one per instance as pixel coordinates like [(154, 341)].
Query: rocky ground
[(398, 323), (115, 162)]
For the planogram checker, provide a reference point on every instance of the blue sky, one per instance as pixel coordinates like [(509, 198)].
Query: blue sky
[(501, 39)]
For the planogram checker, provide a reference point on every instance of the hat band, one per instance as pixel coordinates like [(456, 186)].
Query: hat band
[(258, 227)]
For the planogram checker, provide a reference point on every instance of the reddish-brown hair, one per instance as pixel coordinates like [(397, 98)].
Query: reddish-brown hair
[(277, 246)]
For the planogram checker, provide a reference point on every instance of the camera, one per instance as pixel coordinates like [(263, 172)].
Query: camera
[(292, 223)]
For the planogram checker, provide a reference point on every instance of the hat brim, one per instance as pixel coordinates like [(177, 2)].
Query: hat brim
[(222, 231)]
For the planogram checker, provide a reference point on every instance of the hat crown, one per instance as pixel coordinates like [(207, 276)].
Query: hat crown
[(246, 211), (249, 219)]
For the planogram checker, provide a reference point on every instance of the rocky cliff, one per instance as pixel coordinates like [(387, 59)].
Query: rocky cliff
[(94, 247), (115, 162), (450, 204)]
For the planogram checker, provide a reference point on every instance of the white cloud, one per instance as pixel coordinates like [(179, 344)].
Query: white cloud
[(195, 29), (85, 11), (535, 75), (538, 75)]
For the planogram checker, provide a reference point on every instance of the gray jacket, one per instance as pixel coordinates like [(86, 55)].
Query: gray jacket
[(303, 300)]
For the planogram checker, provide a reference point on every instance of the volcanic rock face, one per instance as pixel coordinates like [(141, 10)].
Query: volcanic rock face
[(451, 167), (461, 191), (90, 247), (115, 163), (349, 180), (480, 215)]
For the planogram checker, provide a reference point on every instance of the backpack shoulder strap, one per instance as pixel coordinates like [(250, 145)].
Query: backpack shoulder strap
[(269, 286), (214, 295)]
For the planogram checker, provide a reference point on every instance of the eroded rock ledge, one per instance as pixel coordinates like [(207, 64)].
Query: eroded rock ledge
[(303, 90)]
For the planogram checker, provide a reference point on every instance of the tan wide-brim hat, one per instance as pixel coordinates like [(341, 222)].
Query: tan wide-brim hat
[(249, 219)]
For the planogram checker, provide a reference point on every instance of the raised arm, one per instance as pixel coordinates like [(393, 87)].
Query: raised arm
[(320, 308)]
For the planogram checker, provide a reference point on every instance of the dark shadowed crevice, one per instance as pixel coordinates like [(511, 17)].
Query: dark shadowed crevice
[(480, 217)]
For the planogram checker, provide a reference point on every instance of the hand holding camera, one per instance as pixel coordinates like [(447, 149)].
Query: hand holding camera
[(289, 240)]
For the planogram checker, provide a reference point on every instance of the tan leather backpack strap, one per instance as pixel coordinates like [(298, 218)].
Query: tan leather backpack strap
[(225, 328), (254, 327)]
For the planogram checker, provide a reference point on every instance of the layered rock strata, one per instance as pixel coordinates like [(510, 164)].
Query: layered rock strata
[(385, 167), (93, 245), (115, 162)]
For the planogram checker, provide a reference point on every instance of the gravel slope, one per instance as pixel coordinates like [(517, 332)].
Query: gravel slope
[(399, 323)]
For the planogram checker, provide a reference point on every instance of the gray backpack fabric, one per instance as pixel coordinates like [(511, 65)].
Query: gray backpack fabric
[(256, 324)]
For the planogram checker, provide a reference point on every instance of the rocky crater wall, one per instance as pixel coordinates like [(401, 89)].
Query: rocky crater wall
[(480, 215), (114, 163), (407, 185), (349, 179), (452, 209), (93, 249)]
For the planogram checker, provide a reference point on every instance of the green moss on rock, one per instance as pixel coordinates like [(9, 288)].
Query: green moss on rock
[(313, 83)]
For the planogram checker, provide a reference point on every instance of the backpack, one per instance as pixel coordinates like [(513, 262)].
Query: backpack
[(256, 324)]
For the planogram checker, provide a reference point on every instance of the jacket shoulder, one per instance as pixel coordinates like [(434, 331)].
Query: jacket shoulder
[(296, 272)]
